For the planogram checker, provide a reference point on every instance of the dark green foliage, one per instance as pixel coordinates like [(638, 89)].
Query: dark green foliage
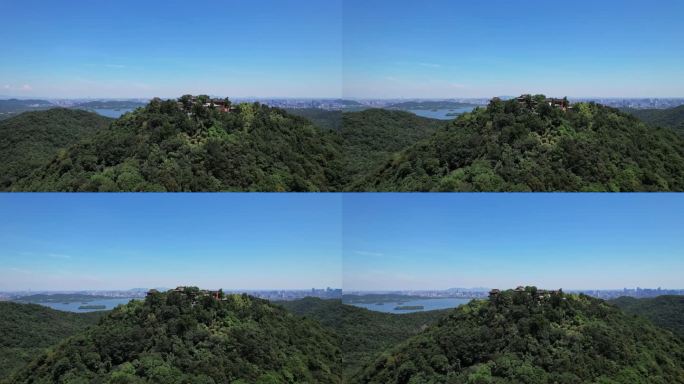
[(26, 330), (29, 140), (508, 146), (513, 146), (371, 137), (664, 311), (329, 120), (534, 336), (165, 147), (362, 333), (672, 118), (186, 337)]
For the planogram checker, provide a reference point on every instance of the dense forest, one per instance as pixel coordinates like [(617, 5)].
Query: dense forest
[(672, 118), (26, 330), (372, 137), (533, 336), (530, 145), (529, 336), (362, 333), (29, 140), (189, 146), (324, 119), (664, 311), (524, 144), (189, 336)]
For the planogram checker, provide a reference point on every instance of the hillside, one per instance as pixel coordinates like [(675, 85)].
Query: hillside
[(362, 333), (29, 140), (532, 146), (174, 146), (331, 120), (189, 336), (13, 107), (664, 311), (372, 137), (672, 118), (26, 330), (534, 336)]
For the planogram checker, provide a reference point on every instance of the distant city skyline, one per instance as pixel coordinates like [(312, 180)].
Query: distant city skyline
[(342, 49), (121, 241), (569, 241)]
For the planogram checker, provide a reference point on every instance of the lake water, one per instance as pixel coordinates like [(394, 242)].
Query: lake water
[(113, 113), (428, 304), (441, 114), (73, 307)]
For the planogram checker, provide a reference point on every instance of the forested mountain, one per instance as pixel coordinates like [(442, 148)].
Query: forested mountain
[(193, 146), (29, 140), (13, 107), (362, 333), (534, 336), (530, 145), (193, 336), (672, 118), (372, 137), (664, 311), (523, 144), (26, 330), (322, 118)]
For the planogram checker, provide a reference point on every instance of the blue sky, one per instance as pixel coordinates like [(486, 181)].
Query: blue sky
[(333, 48), (122, 241), (569, 241), (132, 48), (445, 48)]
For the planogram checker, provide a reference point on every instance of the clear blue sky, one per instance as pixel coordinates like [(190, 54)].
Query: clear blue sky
[(122, 241), (133, 48), (446, 48), (570, 241)]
